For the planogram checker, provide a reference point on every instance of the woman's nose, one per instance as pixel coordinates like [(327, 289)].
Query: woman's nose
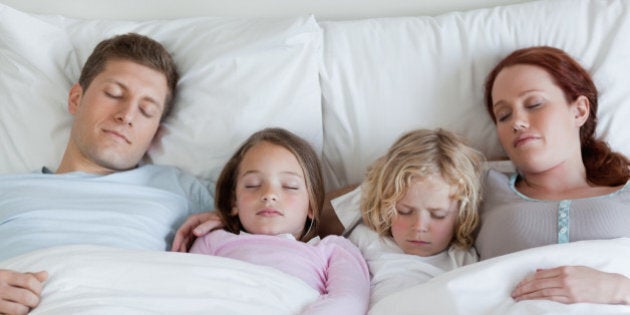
[(519, 123)]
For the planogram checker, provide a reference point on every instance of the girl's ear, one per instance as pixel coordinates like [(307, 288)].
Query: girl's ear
[(310, 214), (234, 211), (74, 98), (581, 110)]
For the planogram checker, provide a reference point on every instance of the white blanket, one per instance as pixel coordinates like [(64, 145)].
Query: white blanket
[(485, 287), (101, 280)]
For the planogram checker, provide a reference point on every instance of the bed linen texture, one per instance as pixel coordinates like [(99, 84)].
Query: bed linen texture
[(103, 280), (485, 287)]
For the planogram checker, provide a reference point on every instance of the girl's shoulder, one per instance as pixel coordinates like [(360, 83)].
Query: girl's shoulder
[(336, 241)]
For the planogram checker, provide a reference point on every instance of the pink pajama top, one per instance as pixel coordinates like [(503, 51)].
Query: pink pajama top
[(332, 265)]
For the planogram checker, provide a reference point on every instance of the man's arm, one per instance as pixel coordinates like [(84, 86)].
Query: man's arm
[(20, 292)]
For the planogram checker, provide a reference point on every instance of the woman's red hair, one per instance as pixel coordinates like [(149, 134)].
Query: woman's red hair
[(603, 166)]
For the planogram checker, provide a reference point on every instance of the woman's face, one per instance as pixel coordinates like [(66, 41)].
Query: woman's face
[(537, 127)]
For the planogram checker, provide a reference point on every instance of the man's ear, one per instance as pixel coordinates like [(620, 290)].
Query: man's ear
[(581, 110), (74, 98)]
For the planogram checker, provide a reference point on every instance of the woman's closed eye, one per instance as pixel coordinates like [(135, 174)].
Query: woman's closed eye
[(534, 105), (503, 117), (502, 114)]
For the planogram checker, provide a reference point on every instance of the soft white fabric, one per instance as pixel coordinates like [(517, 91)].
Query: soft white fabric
[(238, 75), (391, 270), (384, 76), (102, 280), (484, 288)]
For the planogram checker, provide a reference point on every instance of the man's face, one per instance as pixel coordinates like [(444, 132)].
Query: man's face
[(116, 118)]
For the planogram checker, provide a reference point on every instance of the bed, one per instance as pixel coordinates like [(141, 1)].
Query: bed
[(349, 76)]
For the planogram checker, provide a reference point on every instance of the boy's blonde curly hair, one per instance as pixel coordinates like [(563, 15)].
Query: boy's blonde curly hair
[(413, 156)]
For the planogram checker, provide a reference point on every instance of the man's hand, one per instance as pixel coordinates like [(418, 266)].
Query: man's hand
[(196, 225), (20, 292)]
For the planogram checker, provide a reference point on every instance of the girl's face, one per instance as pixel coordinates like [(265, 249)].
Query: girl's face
[(537, 127), (271, 195), (425, 218)]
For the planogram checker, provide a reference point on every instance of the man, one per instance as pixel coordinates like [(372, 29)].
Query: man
[(98, 194)]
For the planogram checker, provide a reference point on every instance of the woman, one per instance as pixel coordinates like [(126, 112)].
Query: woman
[(569, 185)]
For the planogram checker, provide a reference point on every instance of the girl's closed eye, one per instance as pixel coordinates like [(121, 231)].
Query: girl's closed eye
[(250, 182), (291, 187), (292, 181)]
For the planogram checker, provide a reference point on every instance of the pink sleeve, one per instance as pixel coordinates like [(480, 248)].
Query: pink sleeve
[(203, 245), (348, 280)]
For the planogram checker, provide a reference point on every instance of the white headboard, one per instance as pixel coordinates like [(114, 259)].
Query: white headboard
[(322, 9)]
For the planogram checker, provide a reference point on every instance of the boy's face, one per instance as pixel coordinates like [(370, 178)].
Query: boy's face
[(425, 218), (116, 117)]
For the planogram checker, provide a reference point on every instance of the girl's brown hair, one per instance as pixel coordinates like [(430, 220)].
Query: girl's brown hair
[(225, 194)]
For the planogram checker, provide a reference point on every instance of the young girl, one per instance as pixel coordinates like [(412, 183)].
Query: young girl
[(419, 207), (269, 197)]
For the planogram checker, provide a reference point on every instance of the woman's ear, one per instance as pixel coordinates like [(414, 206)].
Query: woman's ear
[(581, 110), (234, 211)]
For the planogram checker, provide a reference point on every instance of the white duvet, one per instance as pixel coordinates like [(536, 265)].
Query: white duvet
[(484, 287), (101, 280)]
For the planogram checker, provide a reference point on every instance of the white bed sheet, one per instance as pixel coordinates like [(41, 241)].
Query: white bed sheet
[(102, 280), (484, 287)]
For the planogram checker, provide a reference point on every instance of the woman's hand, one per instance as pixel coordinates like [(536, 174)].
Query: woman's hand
[(574, 284), (20, 292), (196, 225)]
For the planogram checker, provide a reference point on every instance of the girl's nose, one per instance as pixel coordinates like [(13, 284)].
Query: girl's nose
[(270, 195)]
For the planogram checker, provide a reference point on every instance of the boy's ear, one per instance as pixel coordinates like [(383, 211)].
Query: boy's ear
[(74, 98)]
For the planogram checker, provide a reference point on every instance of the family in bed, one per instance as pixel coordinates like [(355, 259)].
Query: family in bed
[(426, 202)]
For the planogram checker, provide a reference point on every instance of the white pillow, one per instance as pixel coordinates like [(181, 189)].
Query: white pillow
[(382, 77), (238, 75)]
